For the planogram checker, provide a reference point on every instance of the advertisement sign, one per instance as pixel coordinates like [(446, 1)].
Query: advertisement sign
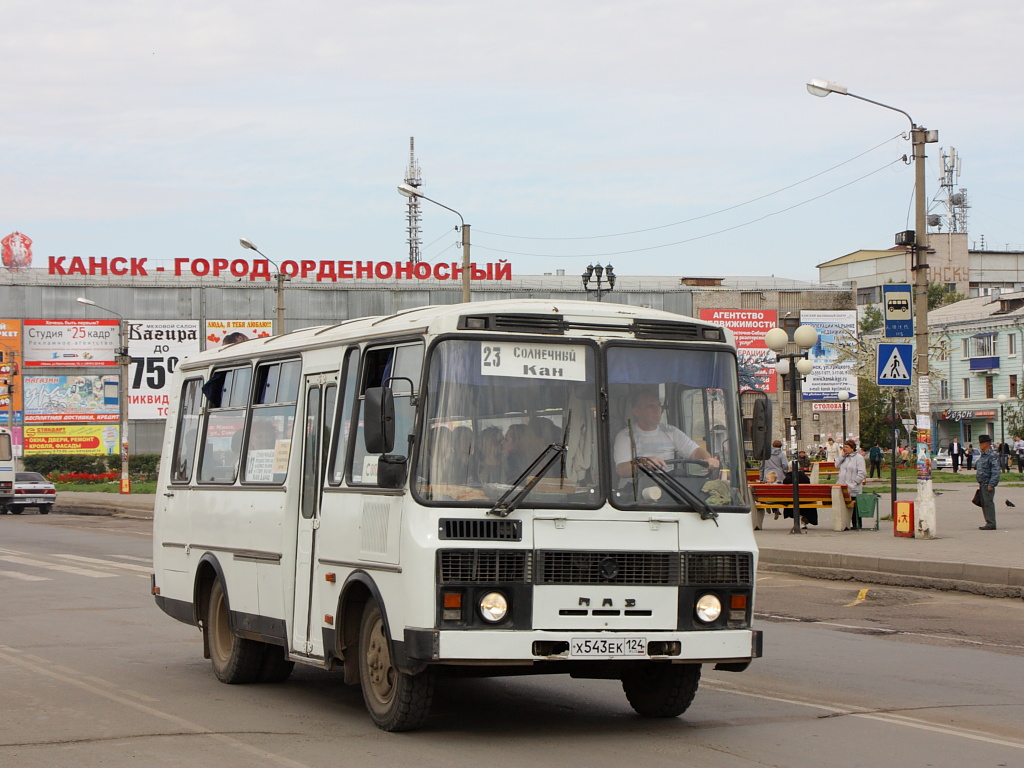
[(837, 329), (16, 251), (70, 399), (63, 438), (756, 361), (156, 347), (10, 348), (70, 343), (221, 332)]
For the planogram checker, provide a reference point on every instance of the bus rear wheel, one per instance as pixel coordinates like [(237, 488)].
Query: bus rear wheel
[(661, 690), (235, 660), (395, 700)]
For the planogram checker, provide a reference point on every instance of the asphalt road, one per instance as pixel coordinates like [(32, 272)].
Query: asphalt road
[(94, 674)]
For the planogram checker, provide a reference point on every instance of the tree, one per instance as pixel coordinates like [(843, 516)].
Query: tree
[(940, 296), (873, 319)]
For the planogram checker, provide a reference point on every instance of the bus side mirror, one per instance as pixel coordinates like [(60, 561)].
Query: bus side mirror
[(379, 419), (762, 429), (391, 471)]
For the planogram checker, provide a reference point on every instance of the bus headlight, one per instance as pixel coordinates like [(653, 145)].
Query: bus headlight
[(493, 607), (708, 608)]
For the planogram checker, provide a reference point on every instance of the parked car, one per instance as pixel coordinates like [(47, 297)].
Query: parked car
[(32, 490), (942, 460)]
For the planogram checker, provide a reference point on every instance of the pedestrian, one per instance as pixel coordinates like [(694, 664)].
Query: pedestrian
[(776, 462), (852, 473), (1004, 455), (1018, 449), (988, 479), (831, 451), (956, 452), (970, 455), (875, 457)]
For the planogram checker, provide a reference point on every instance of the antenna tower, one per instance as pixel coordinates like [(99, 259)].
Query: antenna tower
[(953, 200), (413, 217)]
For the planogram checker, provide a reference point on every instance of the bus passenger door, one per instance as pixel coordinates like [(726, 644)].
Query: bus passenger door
[(318, 401)]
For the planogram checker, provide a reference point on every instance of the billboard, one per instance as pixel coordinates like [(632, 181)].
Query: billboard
[(10, 348), (64, 438), (221, 332), (756, 361), (156, 347), (70, 399), (70, 343), (836, 329)]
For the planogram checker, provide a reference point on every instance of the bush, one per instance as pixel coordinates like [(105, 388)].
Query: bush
[(58, 465)]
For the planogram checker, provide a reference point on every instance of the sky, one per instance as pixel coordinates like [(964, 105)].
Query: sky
[(663, 137)]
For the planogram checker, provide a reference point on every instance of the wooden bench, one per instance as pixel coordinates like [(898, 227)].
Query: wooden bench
[(753, 476), (823, 471), (778, 497)]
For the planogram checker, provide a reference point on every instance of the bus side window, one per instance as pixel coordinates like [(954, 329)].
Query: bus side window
[(226, 394), (275, 398), (187, 431), (342, 432)]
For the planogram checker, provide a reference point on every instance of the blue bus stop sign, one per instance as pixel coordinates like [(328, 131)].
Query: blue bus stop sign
[(897, 308)]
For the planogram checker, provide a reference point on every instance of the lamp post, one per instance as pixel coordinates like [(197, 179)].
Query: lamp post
[(123, 360), (407, 190), (790, 364), (596, 273), (280, 277), (843, 396), (924, 508)]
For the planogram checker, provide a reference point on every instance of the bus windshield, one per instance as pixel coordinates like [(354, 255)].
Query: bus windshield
[(493, 407)]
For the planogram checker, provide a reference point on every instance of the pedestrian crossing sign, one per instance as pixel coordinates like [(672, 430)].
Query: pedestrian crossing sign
[(894, 368)]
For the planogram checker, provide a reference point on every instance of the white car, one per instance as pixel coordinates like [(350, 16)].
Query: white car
[(942, 460), (32, 490)]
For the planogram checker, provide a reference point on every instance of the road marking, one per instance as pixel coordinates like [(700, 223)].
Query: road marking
[(57, 567), (119, 698), (867, 714), (108, 563), (861, 597), (23, 576)]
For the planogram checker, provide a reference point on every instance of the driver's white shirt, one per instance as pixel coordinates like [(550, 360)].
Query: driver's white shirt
[(663, 442)]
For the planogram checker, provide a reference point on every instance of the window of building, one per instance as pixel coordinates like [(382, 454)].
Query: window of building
[(1011, 344), (943, 389), (1013, 385), (964, 350), (989, 387), (984, 346), (967, 389), (869, 295)]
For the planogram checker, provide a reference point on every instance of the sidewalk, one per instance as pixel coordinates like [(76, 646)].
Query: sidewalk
[(961, 558)]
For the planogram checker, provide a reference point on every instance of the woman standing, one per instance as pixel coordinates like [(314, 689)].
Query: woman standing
[(852, 472)]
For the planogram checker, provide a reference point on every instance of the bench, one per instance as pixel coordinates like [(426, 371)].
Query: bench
[(778, 496), (823, 471)]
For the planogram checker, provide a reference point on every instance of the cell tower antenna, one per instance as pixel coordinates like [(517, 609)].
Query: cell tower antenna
[(413, 217), (948, 197)]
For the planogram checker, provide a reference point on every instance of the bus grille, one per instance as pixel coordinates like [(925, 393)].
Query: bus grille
[(568, 567), (708, 568), (481, 530), (482, 566)]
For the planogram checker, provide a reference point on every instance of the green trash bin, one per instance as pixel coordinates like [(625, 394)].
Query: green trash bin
[(867, 506)]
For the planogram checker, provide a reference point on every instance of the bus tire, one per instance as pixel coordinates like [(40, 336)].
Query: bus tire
[(276, 665), (395, 700), (236, 661), (661, 690)]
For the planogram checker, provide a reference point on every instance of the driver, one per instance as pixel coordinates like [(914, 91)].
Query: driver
[(656, 443)]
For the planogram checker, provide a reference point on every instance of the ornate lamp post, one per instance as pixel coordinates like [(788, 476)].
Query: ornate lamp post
[(843, 396), (790, 364), (595, 273), (123, 360)]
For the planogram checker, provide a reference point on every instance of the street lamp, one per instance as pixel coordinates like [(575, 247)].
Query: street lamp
[(123, 360), (280, 277), (843, 396), (924, 508), (407, 190), (596, 273), (1002, 425), (790, 364)]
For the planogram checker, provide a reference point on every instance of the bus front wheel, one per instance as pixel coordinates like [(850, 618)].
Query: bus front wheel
[(395, 700), (235, 660), (661, 690)]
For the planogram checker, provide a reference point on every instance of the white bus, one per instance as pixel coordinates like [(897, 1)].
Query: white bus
[(7, 469), (473, 489)]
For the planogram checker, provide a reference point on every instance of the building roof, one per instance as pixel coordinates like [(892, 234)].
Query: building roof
[(863, 255), (1008, 304)]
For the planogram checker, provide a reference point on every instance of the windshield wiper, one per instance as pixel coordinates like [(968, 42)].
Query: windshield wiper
[(514, 496), (679, 492)]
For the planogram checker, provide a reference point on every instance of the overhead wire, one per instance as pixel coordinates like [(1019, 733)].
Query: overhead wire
[(705, 215), (696, 237)]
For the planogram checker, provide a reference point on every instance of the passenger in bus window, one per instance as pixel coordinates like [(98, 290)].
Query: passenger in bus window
[(488, 456), (461, 455)]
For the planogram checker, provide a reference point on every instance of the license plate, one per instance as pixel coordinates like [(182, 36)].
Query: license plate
[(37, 500), (612, 646)]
